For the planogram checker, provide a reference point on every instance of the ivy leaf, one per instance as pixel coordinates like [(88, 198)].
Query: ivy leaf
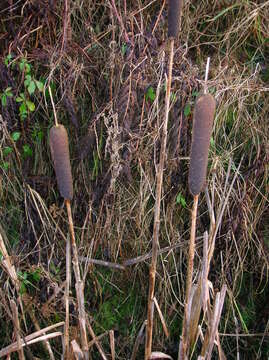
[(7, 150), (16, 135), (30, 105), (23, 109), (31, 88), (27, 80), (39, 85)]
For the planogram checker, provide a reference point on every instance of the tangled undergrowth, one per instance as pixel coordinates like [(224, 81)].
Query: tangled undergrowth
[(106, 65)]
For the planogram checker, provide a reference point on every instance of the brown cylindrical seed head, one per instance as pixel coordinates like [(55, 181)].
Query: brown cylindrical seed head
[(174, 13), (60, 155), (203, 121)]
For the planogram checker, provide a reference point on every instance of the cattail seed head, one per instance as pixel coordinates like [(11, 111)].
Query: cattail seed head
[(203, 121), (60, 155), (174, 13)]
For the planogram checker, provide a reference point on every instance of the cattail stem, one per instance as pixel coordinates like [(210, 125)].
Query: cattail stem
[(67, 289), (206, 74), (189, 277), (53, 106), (156, 227), (79, 285)]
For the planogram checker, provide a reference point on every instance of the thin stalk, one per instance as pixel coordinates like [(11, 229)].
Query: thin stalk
[(156, 227), (79, 285), (67, 289), (189, 278)]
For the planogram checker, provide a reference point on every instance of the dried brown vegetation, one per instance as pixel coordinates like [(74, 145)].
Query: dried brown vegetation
[(106, 64)]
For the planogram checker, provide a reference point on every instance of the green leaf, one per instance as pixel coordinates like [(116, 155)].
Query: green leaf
[(22, 289), (5, 165), (30, 105), (36, 275), (31, 88), (27, 151), (4, 99), (187, 110), (23, 109), (212, 142), (150, 95), (173, 97), (27, 68), (1, 256), (7, 150), (19, 99), (181, 200), (123, 49), (16, 135), (7, 59), (28, 79), (9, 93), (39, 85)]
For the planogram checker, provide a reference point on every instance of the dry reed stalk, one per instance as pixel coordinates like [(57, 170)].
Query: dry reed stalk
[(138, 340), (67, 289), (79, 284), (78, 354), (17, 328), (156, 227), (165, 329), (96, 341), (189, 278), (15, 346), (112, 344), (46, 342)]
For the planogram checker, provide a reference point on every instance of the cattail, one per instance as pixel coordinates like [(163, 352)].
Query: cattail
[(203, 120), (174, 12), (60, 155)]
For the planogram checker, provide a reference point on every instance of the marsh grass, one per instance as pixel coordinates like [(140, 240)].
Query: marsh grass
[(113, 217)]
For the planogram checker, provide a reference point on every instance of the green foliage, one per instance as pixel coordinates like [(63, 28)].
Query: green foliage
[(187, 110), (6, 94), (150, 94), (180, 200), (29, 280), (27, 151), (15, 136), (26, 105)]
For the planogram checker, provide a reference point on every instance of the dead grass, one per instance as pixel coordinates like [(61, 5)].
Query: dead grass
[(110, 95)]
